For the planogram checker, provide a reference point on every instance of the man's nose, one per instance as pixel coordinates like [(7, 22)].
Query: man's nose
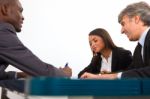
[(122, 30), (22, 17)]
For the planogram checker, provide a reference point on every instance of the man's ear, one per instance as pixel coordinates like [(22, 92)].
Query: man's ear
[(4, 10), (137, 19)]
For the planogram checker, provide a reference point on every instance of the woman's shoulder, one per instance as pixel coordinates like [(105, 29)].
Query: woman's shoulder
[(121, 49)]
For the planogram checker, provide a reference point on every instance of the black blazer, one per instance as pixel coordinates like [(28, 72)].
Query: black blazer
[(142, 71), (13, 52), (121, 58)]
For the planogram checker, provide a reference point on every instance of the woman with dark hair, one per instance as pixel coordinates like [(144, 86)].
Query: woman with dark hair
[(107, 57)]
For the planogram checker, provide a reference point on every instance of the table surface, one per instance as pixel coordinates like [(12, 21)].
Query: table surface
[(45, 86)]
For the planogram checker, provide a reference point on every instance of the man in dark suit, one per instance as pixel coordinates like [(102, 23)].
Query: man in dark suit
[(13, 52), (135, 21)]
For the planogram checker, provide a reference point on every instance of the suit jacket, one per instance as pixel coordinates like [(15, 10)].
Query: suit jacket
[(12, 51), (121, 58), (140, 71)]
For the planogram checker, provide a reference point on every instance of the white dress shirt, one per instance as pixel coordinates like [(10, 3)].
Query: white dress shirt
[(106, 63)]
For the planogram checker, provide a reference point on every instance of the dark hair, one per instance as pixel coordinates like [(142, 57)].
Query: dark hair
[(105, 36)]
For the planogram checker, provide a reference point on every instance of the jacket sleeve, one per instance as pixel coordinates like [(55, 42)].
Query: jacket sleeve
[(137, 73), (86, 69), (15, 53), (93, 67), (125, 59), (7, 75)]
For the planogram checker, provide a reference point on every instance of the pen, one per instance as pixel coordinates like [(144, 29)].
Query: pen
[(66, 64)]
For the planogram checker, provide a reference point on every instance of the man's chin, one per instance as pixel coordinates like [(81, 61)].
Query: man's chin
[(18, 30), (131, 39)]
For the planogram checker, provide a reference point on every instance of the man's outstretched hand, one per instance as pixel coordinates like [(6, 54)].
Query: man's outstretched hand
[(22, 75), (67, 70)]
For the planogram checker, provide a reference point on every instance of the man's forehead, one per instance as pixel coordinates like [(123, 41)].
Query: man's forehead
[(19, 4), (125, 17)]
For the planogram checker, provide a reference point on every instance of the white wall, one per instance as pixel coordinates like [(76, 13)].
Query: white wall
[(57, 30)]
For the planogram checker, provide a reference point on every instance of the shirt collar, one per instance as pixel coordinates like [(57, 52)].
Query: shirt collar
[(8, 26), (108, 57), (142, 38)]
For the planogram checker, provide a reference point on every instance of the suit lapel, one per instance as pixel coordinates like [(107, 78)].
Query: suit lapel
[(114, 61), (146, 52)]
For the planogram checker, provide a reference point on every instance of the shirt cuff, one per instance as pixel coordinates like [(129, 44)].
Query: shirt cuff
[(119, 75)]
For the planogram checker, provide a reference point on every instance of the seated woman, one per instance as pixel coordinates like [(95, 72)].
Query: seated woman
[(107, 57)]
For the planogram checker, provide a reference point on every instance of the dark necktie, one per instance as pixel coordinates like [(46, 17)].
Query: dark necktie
[(140, 49), (137, 57)]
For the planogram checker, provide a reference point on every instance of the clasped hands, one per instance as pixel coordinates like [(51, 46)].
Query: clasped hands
[(102, 75)]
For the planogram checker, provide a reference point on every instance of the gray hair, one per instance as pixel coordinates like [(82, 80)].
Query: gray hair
[(141, 9)]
